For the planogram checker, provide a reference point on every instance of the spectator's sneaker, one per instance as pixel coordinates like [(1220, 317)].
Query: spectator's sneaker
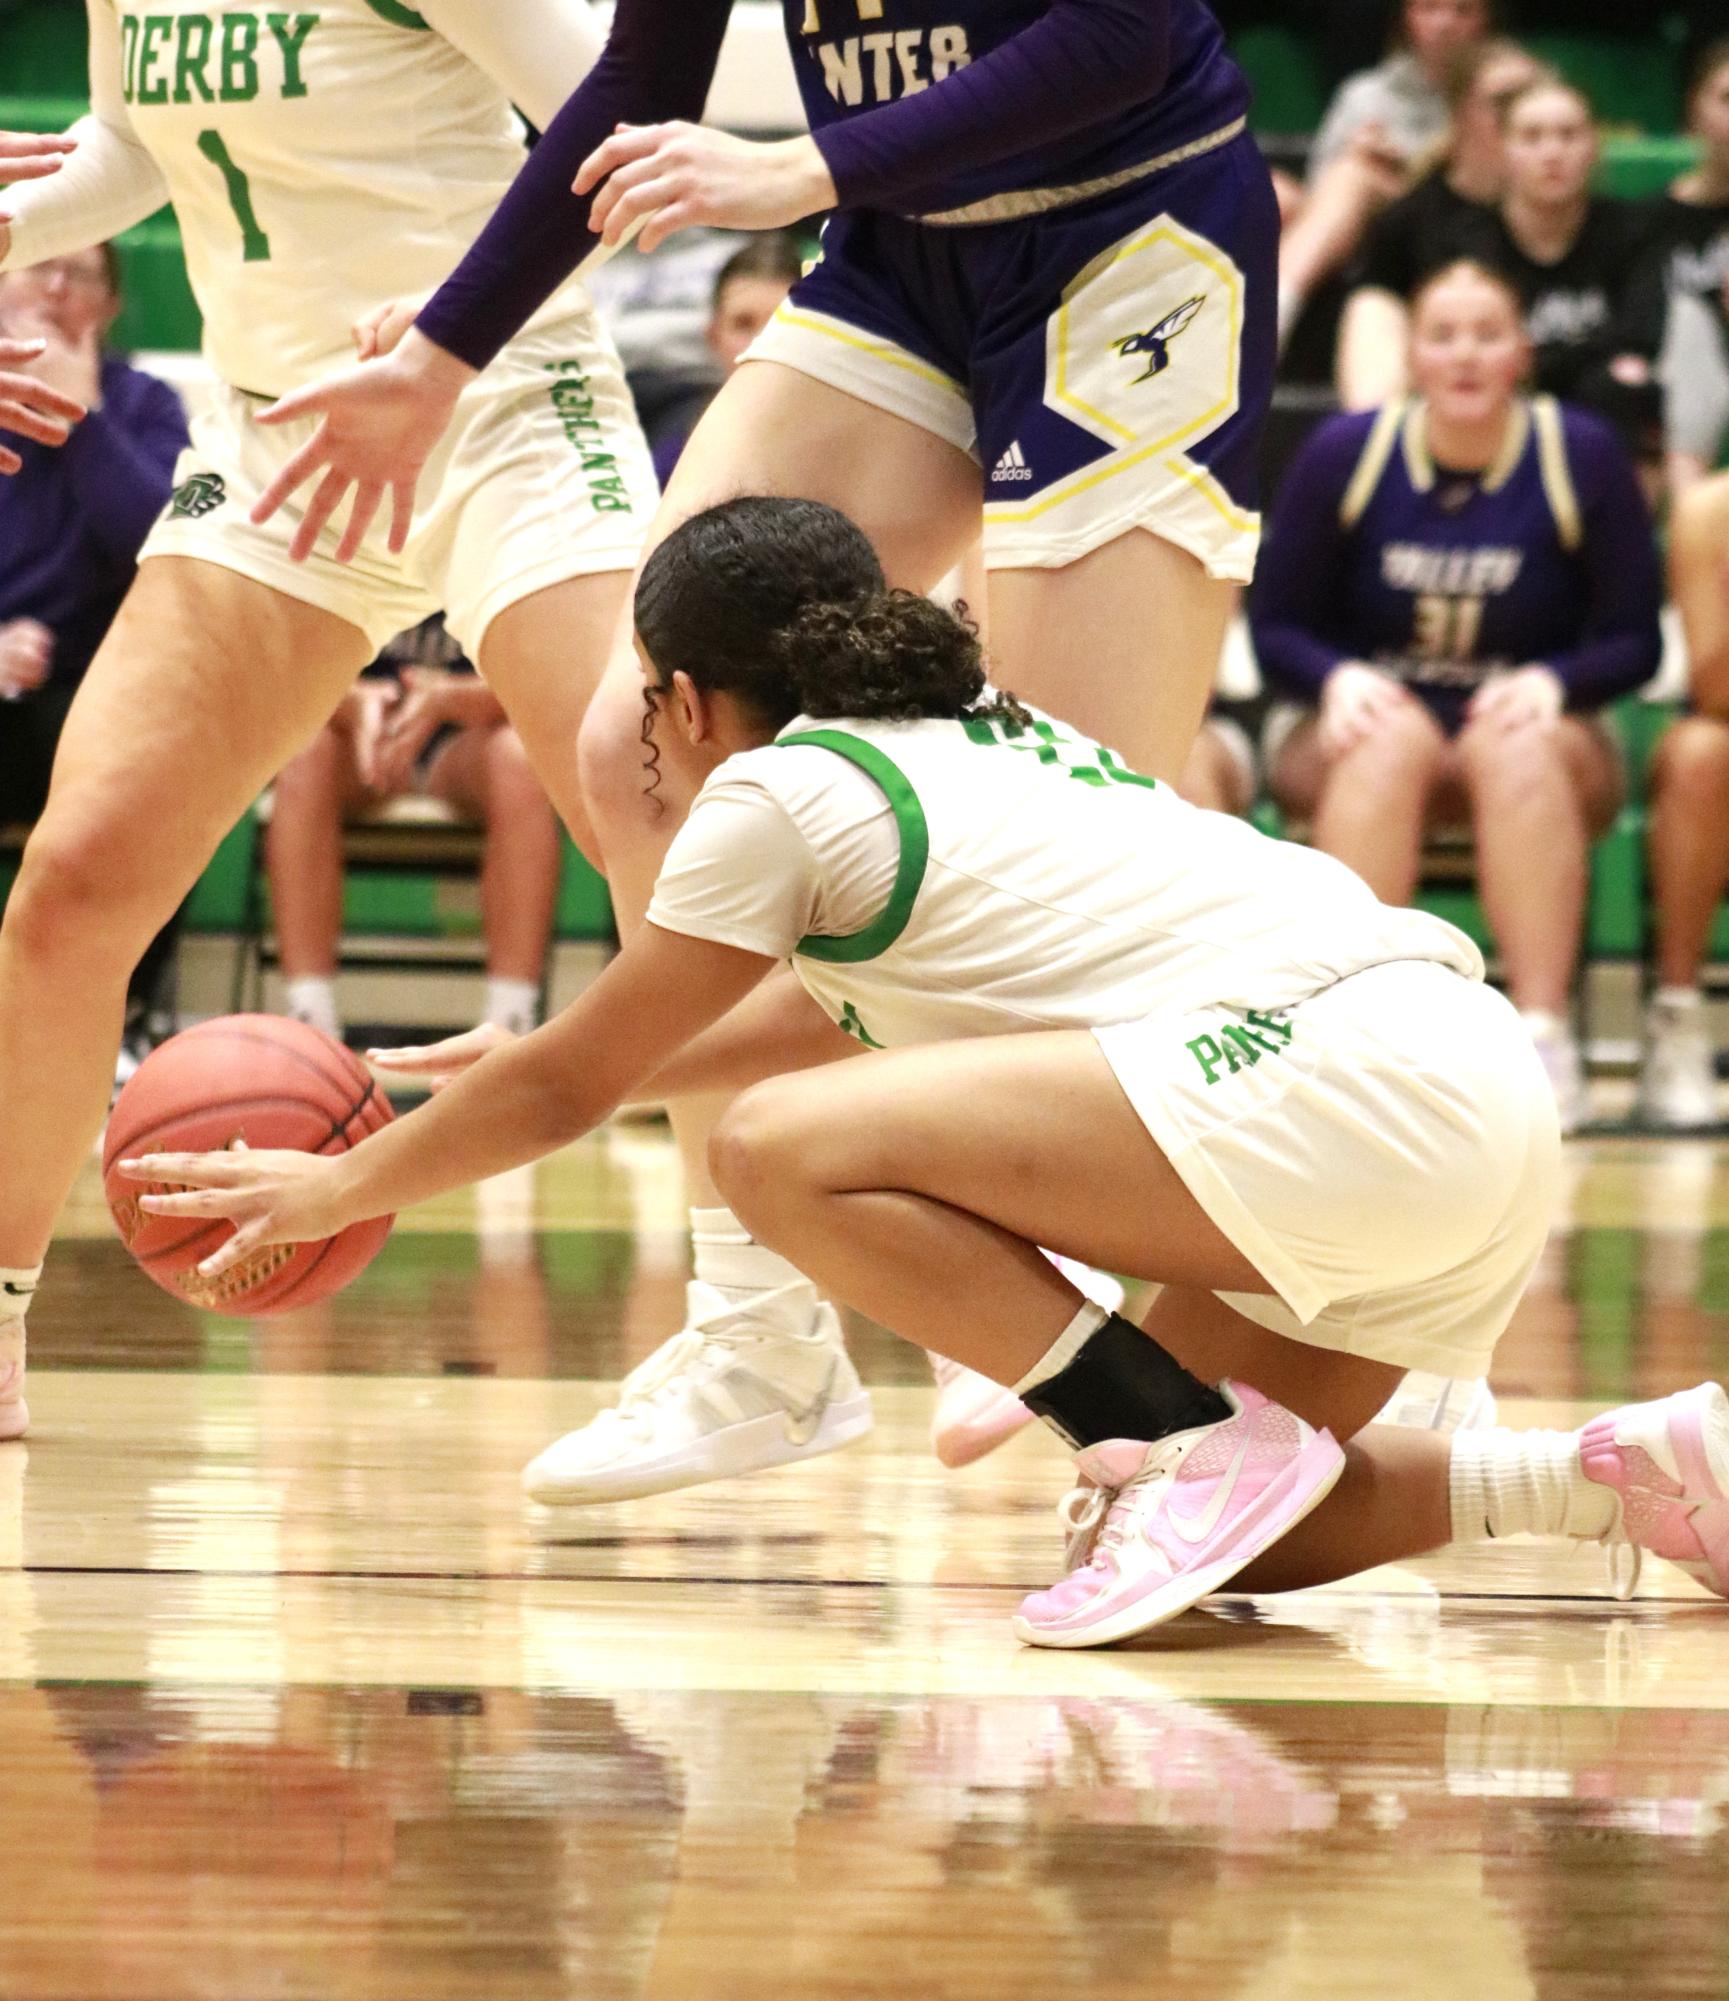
[(1181, 1517), (973, 1415), (1423, 1402), (14, 1411), (731, 1393), (1558, 1051), (142, 1034), (1678, 1078), (1668, 1463)]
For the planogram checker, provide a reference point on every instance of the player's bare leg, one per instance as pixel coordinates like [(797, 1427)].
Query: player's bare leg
[(760, 1374), (917, 1185), (205, 686), (543, 658), (1123, 644), (1368, 807)]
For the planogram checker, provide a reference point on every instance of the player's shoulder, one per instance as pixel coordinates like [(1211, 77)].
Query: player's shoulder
[(1595, 453), (1332, 452)]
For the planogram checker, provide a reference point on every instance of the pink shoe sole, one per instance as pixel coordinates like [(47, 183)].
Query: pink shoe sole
[(14, 1420), (959, 1438), (1300, 1489)]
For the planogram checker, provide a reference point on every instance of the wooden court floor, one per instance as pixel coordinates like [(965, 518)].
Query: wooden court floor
[(297, 1703)]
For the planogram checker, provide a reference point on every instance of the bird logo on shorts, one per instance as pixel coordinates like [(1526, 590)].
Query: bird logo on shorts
[(202, 494), (1155, 343)]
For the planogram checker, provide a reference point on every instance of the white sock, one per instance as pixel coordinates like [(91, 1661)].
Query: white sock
[(311, 998), (17, 1284), (726, 1257), (1678, 1000), (1064, 1348), (1542, 1026), (1504, 1483), (513, 1004)]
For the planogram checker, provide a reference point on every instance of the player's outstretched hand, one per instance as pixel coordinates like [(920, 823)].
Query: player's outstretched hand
[(32, 156), (272, 1197), (662, 178), (442, 1062), (378, 425), (28, 405), (381, 331)]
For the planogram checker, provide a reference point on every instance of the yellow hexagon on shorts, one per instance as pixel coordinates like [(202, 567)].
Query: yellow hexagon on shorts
[(1143, 350)]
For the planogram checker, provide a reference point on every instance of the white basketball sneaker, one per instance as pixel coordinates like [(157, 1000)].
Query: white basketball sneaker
[(731, 1393), (1678, 1079)]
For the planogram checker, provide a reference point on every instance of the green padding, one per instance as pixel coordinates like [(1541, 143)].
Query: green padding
[(40, 114), (219, 903), (43, 48), (1615, 906), (1289, 83), (1634, 168), (159, 309), (1460, 907), (1633, 79), (584, 905)]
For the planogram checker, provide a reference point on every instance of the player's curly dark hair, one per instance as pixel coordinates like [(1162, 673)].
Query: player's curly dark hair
[(783, 604)]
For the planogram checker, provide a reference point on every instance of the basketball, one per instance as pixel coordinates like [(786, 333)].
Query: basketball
[(268, 1082)]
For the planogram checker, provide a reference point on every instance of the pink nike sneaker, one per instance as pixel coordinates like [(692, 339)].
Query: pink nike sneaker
[(1181, 1518), (973, 1415), (1669, 1463)]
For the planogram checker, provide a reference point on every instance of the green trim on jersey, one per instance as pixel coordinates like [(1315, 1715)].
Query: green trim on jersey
[(402, 17), (877, 936)]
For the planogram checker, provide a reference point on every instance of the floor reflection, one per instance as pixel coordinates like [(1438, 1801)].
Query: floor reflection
[(364, 1842)]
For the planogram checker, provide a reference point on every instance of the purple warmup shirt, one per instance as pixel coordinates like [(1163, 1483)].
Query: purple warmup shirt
[(926, 106), (73, 519), (1443, 577)]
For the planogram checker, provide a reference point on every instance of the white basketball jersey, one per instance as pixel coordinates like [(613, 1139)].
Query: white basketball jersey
[(1043, 885), (324, 160)]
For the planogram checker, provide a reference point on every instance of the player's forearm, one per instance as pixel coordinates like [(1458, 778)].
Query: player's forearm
[(515, 1106), (108, 184), (775, 1029), (658, 63), (1074, 67)]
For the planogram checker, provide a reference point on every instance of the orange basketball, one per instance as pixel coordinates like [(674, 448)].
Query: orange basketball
[(269, 1082)]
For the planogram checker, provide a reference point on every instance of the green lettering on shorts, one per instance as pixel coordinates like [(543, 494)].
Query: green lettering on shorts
[(1240, 1047), (573, 400), (202, 494)]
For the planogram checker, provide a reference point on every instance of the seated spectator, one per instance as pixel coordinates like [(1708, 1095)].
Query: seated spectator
[(415, 726), (1453, 588), (1377, 128), (1581, 264), (72, 520), (752, 283), (1690, 820), (1690, 223), (1412, 237)]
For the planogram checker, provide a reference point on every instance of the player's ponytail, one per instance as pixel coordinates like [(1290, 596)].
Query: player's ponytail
[(783, 604)]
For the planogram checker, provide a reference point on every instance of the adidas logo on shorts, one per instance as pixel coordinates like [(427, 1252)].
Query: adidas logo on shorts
[(1011, 465)]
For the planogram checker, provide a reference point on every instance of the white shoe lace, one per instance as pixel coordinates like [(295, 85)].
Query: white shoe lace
[(1094, 1517), (1623, 1579)]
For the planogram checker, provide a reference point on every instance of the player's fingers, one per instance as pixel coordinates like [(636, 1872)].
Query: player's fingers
[(236, 1251), (294, 475), (368, 498), (326, 499), (401, 514), (9, 461), (26, 423), (196, 1202), (667, 222), (637, 207), (196, 1170), (306, 402), (38, 395), (629, 142)]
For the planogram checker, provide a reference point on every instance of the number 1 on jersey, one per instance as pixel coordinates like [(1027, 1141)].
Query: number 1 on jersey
[(255, 245)]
